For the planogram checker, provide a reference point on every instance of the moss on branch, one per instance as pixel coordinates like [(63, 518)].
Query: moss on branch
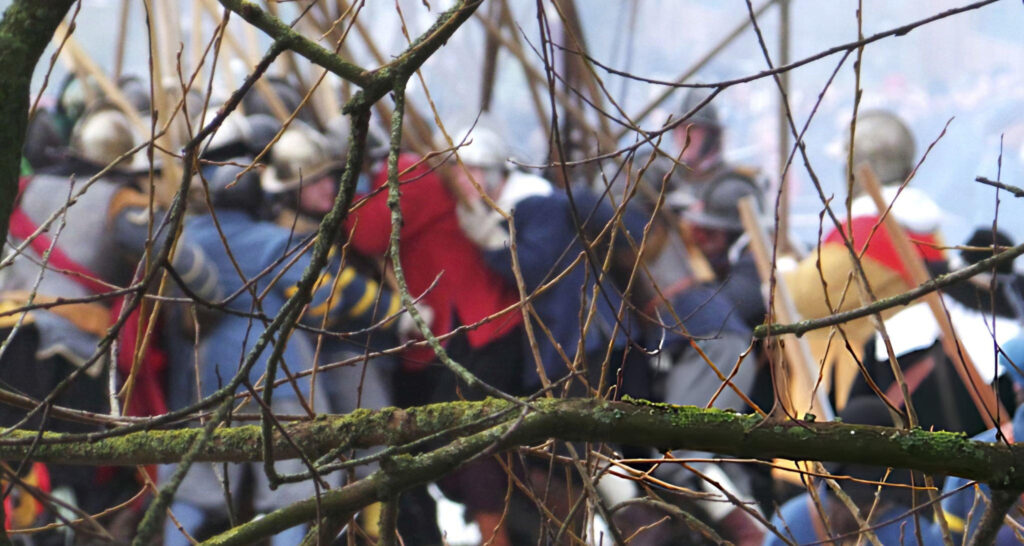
[(659, 425), (631, 422), (25, 31)]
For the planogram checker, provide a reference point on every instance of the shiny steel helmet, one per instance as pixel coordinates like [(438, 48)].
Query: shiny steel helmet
[(481, 146), (885, 142), (229, 140), (300, 154), (103, 135)]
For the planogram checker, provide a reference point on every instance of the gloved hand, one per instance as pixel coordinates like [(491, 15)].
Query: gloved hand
[(482, 225), (406, 329)]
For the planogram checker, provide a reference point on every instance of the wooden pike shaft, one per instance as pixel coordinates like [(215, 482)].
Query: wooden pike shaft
[(262, 87), (983, 395), (536, 78), (802, 368), (80, 62), (701, 63), (122, 35)]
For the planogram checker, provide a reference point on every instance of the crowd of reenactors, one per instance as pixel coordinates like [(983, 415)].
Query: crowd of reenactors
[(642, 281)]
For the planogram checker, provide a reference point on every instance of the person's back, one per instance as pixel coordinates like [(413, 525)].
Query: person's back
[(255, 254), (435, 255)]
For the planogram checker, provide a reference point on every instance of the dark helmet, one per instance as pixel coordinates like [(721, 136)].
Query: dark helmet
[(263, 129), (43, 141), (976, 250), (255, 103), (658, 179), (228, 190), (707, 115), (136, 92), (718, 207)]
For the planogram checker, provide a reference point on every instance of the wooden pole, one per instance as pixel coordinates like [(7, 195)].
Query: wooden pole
[(162, 54), (490, 67), (535, 77), (585, 73), (197, 46), (783, 128), (421, 131), (277, 107), (982, 395), (701, 63), (799, 376), (494, 30), (122, 38), (82, 64)]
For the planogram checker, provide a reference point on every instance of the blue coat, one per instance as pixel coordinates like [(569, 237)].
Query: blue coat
[(959, 497), (265, 250), (547, 242), (895, 525)]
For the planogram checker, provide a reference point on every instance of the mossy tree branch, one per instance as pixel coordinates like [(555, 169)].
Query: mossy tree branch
[(654, 425), (631, 422), (25, 31)]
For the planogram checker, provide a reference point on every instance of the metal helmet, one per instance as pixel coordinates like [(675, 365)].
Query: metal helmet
[(707, 115), (136, 92), (103, 135), (231, 189), (43, 142), (255, 102), (231, 139), (76, 96), (655, 181), (300, 154), (339, 129), (263, 129), (885, 142), (718, 207), (481, 146)]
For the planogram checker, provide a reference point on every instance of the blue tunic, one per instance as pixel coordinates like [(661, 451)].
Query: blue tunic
[(265, 251), (894, 526), (547, 243)]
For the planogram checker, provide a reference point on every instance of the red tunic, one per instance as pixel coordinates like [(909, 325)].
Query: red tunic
[(432, 246), (881, 247)]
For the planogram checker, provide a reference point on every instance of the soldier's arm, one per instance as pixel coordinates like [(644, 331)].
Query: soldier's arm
[(343, 297), (130, 226)]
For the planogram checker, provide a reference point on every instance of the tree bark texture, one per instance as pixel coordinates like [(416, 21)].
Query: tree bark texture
[(630, 422), (25, 31)]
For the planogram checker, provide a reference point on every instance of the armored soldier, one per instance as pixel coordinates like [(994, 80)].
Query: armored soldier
[(80, 228)]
